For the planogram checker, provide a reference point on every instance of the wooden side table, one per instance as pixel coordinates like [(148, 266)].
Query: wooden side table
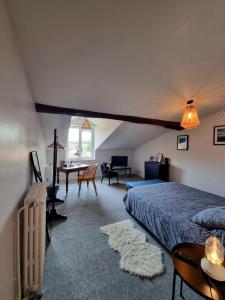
[(193, 276)]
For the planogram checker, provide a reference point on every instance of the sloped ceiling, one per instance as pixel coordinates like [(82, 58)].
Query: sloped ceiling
[(109, 134), (142, 58), (61, 122), (129, 136), (103, 129)]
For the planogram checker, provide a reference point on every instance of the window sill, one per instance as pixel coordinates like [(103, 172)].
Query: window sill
[(82, 159)]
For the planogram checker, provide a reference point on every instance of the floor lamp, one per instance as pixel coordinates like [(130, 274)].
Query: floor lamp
[(52, 189)]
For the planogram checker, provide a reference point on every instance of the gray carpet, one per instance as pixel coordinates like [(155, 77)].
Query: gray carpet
[(79, 263)]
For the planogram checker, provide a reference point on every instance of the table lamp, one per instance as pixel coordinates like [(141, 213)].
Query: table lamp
[(212, 263)]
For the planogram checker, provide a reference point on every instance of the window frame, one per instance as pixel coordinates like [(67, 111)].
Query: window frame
[(80, 143)]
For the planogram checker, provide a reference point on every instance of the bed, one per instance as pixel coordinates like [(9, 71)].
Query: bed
[(166, 210)]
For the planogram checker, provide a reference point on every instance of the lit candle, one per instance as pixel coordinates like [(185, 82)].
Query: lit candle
[(214, 250)]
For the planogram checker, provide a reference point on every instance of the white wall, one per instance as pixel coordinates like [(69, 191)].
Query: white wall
[(20, 132), (202, 166)]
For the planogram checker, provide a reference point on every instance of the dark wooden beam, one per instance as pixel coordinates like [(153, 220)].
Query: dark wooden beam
[(43, 108)]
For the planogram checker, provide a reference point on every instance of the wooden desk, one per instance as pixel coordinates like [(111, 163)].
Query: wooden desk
[(68, 170)]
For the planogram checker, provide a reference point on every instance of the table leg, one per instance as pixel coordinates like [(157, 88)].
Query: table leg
[(67, 179), (181, 289), (174, 284)]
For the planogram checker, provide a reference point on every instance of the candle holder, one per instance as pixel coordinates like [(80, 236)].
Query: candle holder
[(212, 263)]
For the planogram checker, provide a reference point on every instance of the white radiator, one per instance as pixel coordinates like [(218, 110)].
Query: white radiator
[(30, 244)]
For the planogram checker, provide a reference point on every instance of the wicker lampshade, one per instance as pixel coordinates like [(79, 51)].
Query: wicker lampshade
[(190, 118), (86, 124)]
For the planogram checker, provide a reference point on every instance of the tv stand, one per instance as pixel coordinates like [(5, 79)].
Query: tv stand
[(122, 168), (120, 163)]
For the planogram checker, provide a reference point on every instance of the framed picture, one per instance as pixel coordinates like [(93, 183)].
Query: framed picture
[(159, 157), (219, 135), (182, 142)]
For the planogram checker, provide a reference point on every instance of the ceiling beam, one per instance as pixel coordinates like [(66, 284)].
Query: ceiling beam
[(43, 108)]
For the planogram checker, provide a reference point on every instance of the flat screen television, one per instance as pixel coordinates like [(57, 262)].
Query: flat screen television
[(119, 161)]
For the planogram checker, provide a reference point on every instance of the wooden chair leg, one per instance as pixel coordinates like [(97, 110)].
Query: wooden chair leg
[(88, 184), (102, 179), (94, 187), (109, 181), (80, 183)]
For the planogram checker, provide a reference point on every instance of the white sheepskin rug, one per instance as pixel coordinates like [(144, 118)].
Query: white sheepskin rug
[(138, 257)]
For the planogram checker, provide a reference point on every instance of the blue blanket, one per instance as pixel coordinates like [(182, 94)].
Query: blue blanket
[(166, 210), (133, 184)]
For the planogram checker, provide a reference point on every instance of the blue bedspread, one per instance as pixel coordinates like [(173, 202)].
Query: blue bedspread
[(166, 209)]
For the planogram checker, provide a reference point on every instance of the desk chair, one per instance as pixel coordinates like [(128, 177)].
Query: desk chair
[(88, 175)]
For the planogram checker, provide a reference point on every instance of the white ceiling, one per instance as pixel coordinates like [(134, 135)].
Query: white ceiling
[(142, 58), (134, 57), (130, 136)]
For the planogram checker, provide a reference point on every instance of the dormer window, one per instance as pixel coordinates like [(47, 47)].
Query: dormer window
[(80, 141)]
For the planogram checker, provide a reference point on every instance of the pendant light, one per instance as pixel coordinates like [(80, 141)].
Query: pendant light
[(190, 118), (86, 124)]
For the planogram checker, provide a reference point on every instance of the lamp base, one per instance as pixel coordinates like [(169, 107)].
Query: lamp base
[(53, 215), (216, 272), (54, 200)]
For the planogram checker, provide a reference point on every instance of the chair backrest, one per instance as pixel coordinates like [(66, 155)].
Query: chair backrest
[(103, 168), (90, 171)]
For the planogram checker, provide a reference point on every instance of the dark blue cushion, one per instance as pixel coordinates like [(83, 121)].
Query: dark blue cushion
[(211, 218)]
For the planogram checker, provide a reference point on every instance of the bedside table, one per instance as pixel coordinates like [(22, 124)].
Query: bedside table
[(193, 275)]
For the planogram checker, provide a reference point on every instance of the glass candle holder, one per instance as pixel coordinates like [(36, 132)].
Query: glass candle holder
[(214, 250), (212, 263)]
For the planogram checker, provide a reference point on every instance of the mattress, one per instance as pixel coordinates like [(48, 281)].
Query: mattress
[(166, 210)]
